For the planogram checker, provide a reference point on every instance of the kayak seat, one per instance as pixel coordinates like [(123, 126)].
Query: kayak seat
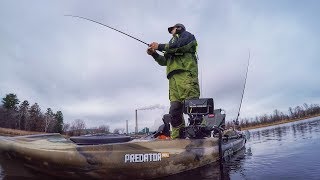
[(100, 139)]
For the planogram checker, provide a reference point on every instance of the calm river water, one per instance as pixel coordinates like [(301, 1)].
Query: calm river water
[(287, 151)]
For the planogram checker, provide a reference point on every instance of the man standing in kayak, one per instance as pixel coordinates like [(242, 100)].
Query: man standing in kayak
[(182, 72)]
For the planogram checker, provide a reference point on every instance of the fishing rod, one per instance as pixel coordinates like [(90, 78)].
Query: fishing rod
[(244, 86), (108, 27)]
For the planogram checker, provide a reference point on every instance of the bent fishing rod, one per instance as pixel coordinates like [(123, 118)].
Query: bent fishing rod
[(244, 86), (108, 27)]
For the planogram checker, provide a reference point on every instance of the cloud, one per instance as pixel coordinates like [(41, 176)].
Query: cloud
[(93, 73)]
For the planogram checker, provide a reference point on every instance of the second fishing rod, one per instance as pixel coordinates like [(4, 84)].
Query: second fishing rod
[(236, 122)]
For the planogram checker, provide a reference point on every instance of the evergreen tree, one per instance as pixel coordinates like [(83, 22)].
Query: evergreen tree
[(35, 118), (10, 117), (23, 115), (10, 101), (59, 122)]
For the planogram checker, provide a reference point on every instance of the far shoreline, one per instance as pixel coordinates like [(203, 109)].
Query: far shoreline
[(277, 123), (16, 132)]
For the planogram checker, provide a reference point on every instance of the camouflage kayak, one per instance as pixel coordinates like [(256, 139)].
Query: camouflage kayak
[(141, 158)]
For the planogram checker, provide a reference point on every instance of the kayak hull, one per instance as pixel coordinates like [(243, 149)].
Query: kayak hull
[(57, 156)]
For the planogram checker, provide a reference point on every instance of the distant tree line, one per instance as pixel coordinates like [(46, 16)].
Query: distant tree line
[(298, 112), (23, 116), (78, 127)]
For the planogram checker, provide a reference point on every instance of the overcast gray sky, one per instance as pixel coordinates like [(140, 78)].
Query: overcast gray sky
[(92, 73)]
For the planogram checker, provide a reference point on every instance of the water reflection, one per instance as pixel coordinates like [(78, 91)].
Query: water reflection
[(219, 171)]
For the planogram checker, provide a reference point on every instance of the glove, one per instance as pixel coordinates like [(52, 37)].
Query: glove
[(154, 45), (150, 51)]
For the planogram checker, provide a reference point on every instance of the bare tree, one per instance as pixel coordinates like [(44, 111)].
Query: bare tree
[(298, 111), (121, 130), (49, 120), (23, 115), (77, 127), (65, 127), (104, 129), (291, 113), (118, 131), (276, 115)]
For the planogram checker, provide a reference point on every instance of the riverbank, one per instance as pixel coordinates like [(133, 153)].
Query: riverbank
[(277, 123), (16, 132)]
